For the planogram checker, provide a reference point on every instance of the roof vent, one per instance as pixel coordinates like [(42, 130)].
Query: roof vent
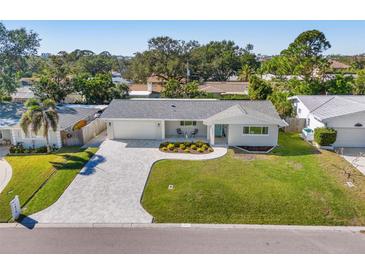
[(173, 106), (358, 125)]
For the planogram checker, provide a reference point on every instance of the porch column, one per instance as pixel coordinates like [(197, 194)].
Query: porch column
[(211, 134), (163, 129)]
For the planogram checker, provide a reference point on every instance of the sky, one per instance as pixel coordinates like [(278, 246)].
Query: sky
[(127, 37)]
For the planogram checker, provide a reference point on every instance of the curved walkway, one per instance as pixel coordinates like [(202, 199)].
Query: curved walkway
[(110, 186), (5, 169)]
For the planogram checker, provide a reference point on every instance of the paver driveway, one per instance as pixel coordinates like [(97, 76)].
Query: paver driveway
[(109, 188)]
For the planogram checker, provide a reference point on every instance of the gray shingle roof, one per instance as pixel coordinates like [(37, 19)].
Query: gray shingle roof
[(10, 114), (181, 109), (330, 106)]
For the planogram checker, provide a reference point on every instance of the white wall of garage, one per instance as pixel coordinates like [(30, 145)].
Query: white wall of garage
[(347, 134), (135, 129)]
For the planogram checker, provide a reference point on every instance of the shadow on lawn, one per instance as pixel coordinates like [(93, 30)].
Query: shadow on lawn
[(76, 162)]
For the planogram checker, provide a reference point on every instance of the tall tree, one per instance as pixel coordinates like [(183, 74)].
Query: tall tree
[(95, 89), (258, 89), (40, 116), (359, 83), (15, 46), (217, 60), (173, 88), (54, 81)]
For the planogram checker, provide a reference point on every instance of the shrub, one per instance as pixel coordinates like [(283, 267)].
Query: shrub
[(177, 144), (201, 150), (187, 144), (325, 136), (164, 144), (199, 143), (182, 146), (193, 146), (176, 150), (210, 149), (205, 146), (164, 149), (170, 146), (41, 149), (186, 150)]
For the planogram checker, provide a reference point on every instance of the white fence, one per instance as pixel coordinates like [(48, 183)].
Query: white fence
[(93, 129)]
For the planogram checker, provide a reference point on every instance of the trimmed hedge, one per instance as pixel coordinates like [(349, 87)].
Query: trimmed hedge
[(325, 136)]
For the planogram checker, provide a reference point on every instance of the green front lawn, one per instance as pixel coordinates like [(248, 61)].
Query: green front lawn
[(295, 184), (30, 172)]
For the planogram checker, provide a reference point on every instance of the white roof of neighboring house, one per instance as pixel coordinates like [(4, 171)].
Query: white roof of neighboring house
[(139, 93), (330, 106)]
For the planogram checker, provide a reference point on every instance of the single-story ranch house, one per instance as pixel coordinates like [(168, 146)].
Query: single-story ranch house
[(344, 113), (231, 122), (66, 134)]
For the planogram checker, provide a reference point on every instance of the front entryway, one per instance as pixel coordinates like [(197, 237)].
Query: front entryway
[(221, 134)]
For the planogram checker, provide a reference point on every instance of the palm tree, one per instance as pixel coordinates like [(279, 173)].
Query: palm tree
[(245, 73), (40, 116)]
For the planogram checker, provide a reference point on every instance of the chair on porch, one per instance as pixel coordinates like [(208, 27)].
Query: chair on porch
[(194, 133), (179, 131)]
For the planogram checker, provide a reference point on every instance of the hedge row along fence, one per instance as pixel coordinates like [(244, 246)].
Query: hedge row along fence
[(325, 136)]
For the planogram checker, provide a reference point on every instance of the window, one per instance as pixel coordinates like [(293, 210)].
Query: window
[(256, 130), (187, 123)]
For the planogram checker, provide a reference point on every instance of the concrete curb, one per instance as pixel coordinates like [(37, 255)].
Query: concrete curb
[(192, 226)]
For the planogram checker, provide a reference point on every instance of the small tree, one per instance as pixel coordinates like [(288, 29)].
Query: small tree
[(258, 89), (40, 116), (283, 106), (325, 136)]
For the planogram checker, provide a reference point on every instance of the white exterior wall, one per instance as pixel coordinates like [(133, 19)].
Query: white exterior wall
[(135, 129), (18, 136), (313, 123), (301, 110), (347, 134), (237, 138), (171, 126), (6, 134)]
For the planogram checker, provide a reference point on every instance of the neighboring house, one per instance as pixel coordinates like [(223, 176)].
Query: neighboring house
[(228, 87), (118, 79), (338, 66), (22, 94), (346, 114), (231, 122), (69, 116)]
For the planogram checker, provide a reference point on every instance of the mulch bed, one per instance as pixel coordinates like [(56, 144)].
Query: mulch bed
[(256, 148), (191, 151)]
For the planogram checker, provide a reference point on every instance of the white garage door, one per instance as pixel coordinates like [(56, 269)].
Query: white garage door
[(350, 137), (137, 130)]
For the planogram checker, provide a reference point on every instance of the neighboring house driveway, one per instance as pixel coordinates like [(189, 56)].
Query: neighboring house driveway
[(5, 168), (356, 157), (109, 188)]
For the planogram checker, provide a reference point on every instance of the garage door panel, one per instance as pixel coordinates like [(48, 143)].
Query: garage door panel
[(136, 130), (351, 137)]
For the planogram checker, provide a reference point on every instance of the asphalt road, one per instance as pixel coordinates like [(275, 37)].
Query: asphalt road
[(178, 240)]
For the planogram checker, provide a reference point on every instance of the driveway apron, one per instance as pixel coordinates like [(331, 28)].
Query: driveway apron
[(109, 187)]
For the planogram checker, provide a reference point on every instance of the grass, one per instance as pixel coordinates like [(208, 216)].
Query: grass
[(295, 184), (30, 173)]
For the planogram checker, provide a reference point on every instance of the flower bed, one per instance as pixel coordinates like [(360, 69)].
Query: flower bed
[(19, 149), (198, 147)]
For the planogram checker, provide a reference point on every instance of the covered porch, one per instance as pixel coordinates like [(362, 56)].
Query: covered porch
[(180, 131)]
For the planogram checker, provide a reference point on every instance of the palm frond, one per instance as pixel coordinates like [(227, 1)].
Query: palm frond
[(25, 122), (52, 118), (37, 121), (49, 103), (32, 102)]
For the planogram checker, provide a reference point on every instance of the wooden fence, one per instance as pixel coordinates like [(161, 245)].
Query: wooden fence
[(295, 124)]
